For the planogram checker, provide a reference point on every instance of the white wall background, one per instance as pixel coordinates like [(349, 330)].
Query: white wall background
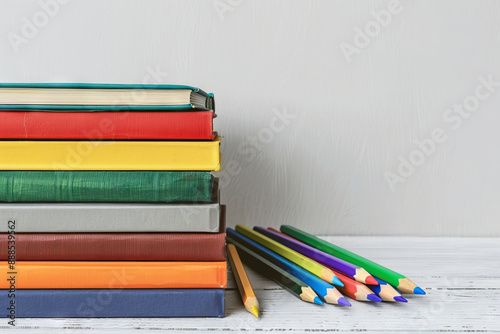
[(324, 170)]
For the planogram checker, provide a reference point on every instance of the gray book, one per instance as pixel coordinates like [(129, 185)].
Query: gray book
[(109, 217)]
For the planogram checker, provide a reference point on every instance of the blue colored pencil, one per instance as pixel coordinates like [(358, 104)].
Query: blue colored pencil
[(326, 291), (387, 292)]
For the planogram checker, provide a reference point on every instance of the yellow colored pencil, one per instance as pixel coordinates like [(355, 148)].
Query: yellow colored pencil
[(297, 258), (247, 295)]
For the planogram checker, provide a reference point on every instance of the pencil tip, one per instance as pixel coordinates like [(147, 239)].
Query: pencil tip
[(370, 280), (400, 299), (255, 311), (336, 281), (373, 297), (343, 301), (317, 301), (418, 291)]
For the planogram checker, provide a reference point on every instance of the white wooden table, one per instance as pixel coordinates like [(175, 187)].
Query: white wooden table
[(461, 278)]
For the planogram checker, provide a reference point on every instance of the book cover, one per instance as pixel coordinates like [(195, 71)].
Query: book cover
[(115, 275), (110, 155), (110, 217), (119, 246), (115, 303), (33, 96), (107, 186), (196, 125)]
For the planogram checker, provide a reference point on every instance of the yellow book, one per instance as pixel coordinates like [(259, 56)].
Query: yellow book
[(110, 155)]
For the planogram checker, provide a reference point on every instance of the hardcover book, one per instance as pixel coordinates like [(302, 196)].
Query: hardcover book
[(115, 303), (195, 125), (85, 96), (119, 246), (115, 275), (107, 186), (110, 155), (110, 217)]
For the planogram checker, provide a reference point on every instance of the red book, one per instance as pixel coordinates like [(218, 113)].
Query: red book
[(107, 125), (118, 246)]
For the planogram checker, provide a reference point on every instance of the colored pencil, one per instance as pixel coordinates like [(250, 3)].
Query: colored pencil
[(247, 295), (303, 261), (355, 272), (326, 291), (357, 291), (400, 282), (289, 282), (387, 292)]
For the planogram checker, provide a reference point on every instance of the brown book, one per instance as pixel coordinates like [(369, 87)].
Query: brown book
[(119, 246)]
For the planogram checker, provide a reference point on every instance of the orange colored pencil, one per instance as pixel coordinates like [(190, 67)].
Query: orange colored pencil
[(114, 275), (247, 295)]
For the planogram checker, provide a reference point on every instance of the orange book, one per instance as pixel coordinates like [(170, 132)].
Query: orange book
[(113, 275)]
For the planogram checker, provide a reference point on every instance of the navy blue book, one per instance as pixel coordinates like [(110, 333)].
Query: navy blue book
[(113, 303)]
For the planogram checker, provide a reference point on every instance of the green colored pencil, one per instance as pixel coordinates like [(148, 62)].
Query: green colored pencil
[(314, 267), (278, 275), (395, 279)]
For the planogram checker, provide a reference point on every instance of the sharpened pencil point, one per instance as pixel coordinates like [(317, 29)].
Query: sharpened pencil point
[(336, 281), (373, 297), (400, 299), (370, 280), (418, 291), (318, 301), (255, 311), (343, 301)]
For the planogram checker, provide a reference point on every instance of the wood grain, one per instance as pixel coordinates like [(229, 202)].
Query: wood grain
[(461, 297)]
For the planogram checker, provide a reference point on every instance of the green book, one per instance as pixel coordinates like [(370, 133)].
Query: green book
[(106, 186)]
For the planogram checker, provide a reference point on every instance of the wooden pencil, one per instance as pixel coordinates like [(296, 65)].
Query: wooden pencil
[(299, 259), (387, 292), (289, 282), (355, 290), (400, 282), (247, 295), (348, 269), (326, 291)]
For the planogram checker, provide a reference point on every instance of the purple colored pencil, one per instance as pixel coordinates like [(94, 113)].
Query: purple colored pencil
[(357, 273)]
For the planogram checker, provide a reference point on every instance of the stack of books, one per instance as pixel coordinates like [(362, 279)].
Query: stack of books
[(108, 204)]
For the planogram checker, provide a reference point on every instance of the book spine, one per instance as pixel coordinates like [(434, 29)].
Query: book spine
[(107, 125), (119, 246), (112, 218), (105, 186), (110, 155), (116, 275), (109, 303)]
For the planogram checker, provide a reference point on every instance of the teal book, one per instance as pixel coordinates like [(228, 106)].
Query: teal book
[(107, 186), (98, 97)]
